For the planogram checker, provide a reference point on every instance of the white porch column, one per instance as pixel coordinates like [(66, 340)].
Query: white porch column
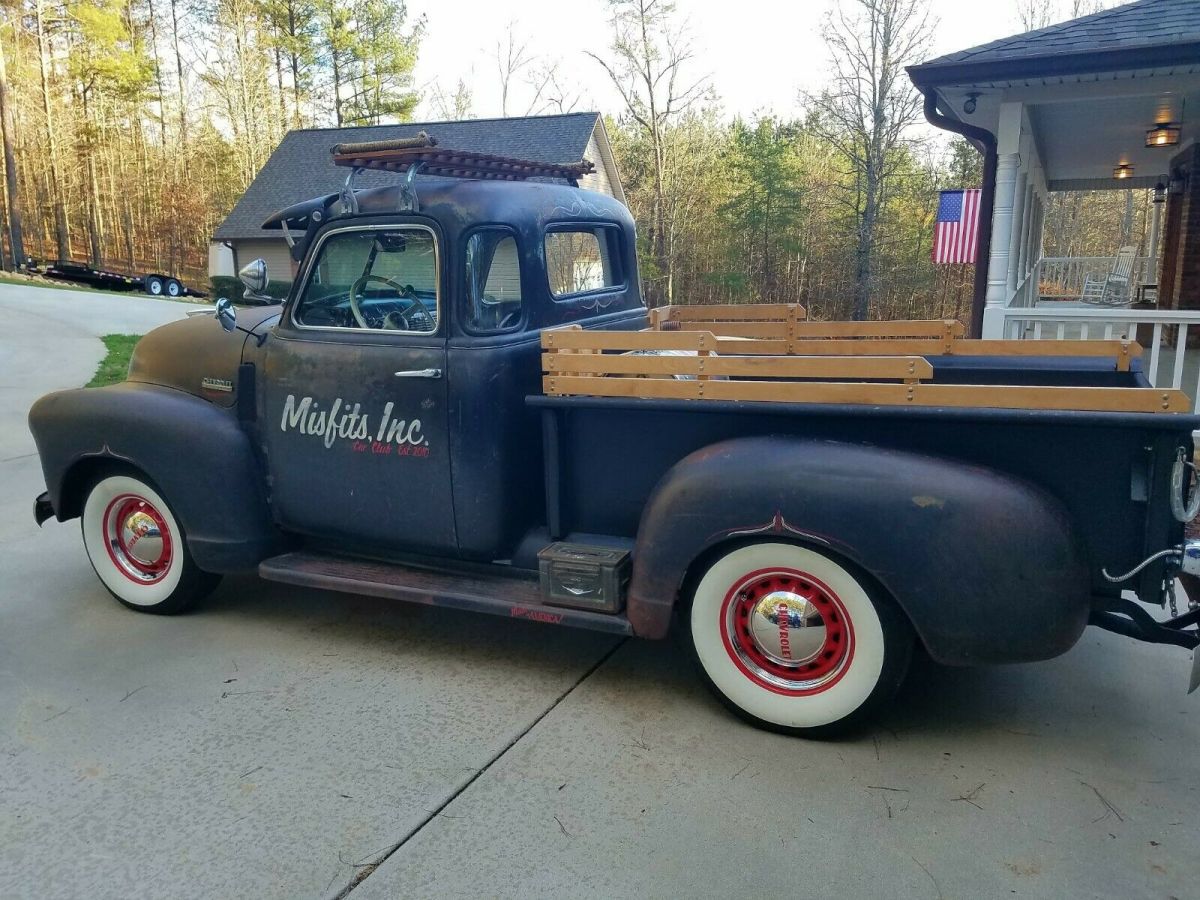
[(1008, 161), (1150, 272), (1020, 224)]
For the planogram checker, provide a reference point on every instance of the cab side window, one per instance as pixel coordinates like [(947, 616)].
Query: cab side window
[(493, 282), (379, 278)]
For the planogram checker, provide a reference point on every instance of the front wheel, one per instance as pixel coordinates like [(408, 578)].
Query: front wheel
[(793, 641), (137, 548)]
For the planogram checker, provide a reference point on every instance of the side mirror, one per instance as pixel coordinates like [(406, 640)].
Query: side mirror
[(254, 277), (226, 314)]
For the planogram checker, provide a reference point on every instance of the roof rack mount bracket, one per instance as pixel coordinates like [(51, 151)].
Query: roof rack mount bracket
[(349, 200), (408, 190)]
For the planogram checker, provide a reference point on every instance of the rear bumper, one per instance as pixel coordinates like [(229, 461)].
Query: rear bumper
[(43, 509)]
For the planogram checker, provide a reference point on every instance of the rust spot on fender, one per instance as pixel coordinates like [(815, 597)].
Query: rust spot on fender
[(925, 501)]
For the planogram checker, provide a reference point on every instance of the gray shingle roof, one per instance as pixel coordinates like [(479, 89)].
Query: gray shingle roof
[(1099, 39), (301, 166)]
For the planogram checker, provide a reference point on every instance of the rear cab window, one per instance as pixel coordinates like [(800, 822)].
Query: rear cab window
[(493, 263), (583, 259)]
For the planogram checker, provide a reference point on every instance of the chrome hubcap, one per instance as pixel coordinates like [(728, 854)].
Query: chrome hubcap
[(787, 628), (141, 538), (137, 539)]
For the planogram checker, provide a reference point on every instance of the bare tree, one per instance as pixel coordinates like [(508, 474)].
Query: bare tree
[(512, 58), (1035, 14), (868, 107), (546, 90), (649, 66), (454, 105)]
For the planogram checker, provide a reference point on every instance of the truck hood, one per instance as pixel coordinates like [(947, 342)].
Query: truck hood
[(197, 356)]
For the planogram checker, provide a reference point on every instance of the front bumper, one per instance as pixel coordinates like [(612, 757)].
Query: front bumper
[(43, 509)]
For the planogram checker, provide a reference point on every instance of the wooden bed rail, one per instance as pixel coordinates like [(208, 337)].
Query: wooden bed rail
[(851, 363)]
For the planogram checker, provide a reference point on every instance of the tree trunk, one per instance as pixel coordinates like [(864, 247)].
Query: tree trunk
[(62, 239), (10, 170)]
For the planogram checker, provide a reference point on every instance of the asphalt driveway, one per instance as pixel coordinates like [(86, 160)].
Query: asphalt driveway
[(281, 742)]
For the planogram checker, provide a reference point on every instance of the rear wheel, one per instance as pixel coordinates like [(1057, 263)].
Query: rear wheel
[(138, 549), (154, 285), (793, 641), (174, 288)]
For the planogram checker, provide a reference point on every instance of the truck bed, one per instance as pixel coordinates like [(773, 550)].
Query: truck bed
[(621, 409)]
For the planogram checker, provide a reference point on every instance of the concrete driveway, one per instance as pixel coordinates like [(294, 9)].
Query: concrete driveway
[(281, 742)]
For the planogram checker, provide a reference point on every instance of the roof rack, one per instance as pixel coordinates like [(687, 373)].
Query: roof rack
[(422, 154)]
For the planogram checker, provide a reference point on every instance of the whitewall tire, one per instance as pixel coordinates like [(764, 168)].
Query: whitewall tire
[(138, 549), (794, 641)]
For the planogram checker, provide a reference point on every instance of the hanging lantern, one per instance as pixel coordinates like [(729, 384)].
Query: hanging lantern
[(1124, 170), (1164, 134)]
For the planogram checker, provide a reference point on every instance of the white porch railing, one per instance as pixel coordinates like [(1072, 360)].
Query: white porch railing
[(1063, 278), (1167, 361)]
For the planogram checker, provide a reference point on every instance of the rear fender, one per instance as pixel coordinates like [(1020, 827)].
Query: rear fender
[(986, 567), (195, 453)]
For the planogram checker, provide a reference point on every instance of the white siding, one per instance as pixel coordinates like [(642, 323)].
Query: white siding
[(275, 251), (220, 261), (599, 180)]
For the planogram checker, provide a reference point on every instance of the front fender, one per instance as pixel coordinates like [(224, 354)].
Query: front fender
[(195, 453), (987, 567)]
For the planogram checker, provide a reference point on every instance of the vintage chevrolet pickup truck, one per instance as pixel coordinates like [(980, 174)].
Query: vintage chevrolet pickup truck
[(464, 401)]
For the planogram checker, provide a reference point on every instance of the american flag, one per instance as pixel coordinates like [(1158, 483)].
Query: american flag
[(956, 231)]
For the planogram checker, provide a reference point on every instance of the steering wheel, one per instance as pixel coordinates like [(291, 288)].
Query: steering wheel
[(420, 321)]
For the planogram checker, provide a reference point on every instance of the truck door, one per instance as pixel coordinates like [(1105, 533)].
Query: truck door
[(355, 394)]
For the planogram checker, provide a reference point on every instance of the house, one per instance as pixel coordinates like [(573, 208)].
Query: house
[(301, 168), (1103, 102)]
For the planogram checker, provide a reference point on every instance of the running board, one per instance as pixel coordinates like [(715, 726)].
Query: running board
[(501, 595)]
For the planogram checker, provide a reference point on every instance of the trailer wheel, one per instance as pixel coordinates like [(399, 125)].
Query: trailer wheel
[(174, 288), (154, 285), (793, 641), (138, 549)]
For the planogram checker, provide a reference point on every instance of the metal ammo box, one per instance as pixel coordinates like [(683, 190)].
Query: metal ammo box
[(584, 577)]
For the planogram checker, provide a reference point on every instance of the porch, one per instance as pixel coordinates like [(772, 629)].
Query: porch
[(1099, 103)]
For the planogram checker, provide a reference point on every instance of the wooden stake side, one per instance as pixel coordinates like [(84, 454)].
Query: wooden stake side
[(901, 368), (732, 312), (578, 339), (916, 328), (1120, 351), (1092, 399)]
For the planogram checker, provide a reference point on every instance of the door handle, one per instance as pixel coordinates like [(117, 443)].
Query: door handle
[(419, 373)]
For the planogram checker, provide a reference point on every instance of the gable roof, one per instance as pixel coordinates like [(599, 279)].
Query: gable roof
[(301, 166), (1144, 34)]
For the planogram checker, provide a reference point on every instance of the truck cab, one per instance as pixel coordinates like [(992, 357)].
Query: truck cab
[(398, 368)]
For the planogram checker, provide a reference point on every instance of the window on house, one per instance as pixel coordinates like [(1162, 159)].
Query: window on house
[(493, 281), (579, 260)]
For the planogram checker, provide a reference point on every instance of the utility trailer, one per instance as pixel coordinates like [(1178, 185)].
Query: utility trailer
[(156, 284), (465, 402)]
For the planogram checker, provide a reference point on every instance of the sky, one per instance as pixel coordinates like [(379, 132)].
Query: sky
[(759, 54)]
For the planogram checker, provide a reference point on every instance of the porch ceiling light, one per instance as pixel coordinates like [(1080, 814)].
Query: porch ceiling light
[(1124, 170), (1164, 134)]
